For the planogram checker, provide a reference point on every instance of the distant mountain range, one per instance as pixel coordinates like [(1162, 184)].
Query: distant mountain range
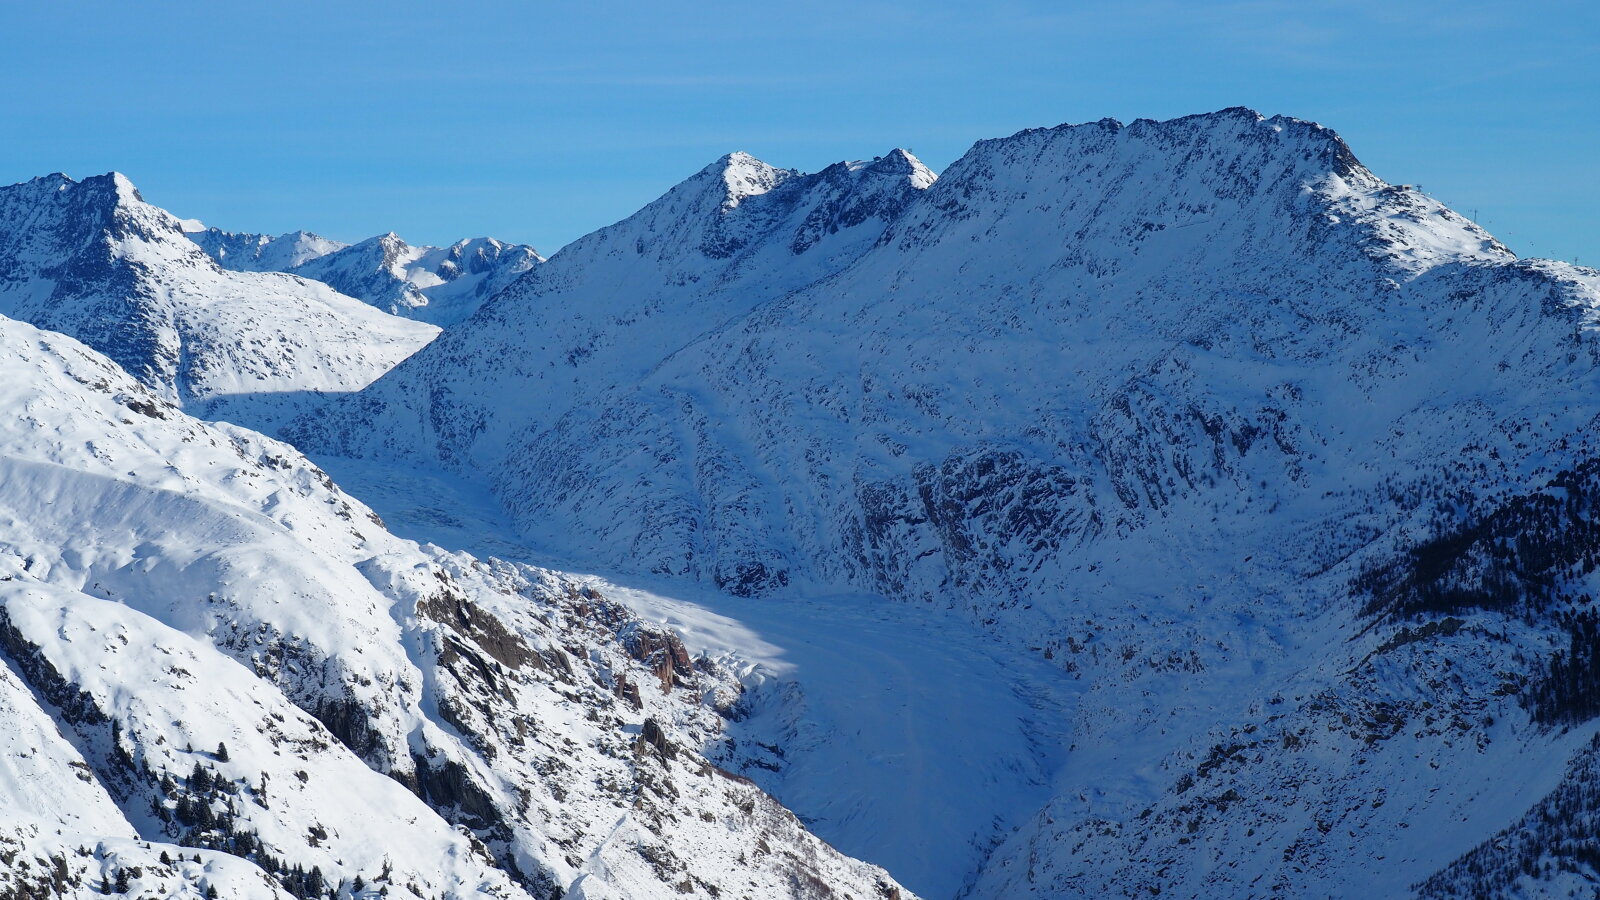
[(441, 285)]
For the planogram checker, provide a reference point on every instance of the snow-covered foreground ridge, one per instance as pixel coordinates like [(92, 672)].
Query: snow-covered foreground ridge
[(220, 676), (1203, 412)]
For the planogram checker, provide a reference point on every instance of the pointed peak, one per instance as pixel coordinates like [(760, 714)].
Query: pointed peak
[(124, 185), (387, 240), (744, 176), (120, 184), (734, 160), (900, 162), (115, 184)]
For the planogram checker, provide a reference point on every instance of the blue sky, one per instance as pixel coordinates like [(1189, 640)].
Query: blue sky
[(539, 122)]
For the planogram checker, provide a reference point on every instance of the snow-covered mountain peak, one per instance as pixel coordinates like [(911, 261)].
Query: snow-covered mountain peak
[(896, 162), (44, 216), (1148, 200), (440, 285), (1237, 143), (99, 204), (739, 204), (57, 180), (717, 245), (93, 260), (742, 175), (114, 185), (110, 192), (389, 247), (125, 188)]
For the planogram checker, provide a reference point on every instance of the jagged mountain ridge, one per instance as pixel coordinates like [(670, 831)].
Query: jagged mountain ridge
[(1145, 399), (92, 260), (702, 254), (225, 676), (246, 252), (439, 285), (545, 330)]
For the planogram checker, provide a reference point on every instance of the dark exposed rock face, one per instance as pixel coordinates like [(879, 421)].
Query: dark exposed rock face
[(350, 721), (451, 608), (653, 737), (662, 652), (76, 706), (448, 787)]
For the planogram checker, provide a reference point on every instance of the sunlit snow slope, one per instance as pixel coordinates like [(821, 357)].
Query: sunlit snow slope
[(220, 673)]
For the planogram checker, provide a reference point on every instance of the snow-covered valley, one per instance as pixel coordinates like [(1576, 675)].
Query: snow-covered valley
[(898, 734)]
